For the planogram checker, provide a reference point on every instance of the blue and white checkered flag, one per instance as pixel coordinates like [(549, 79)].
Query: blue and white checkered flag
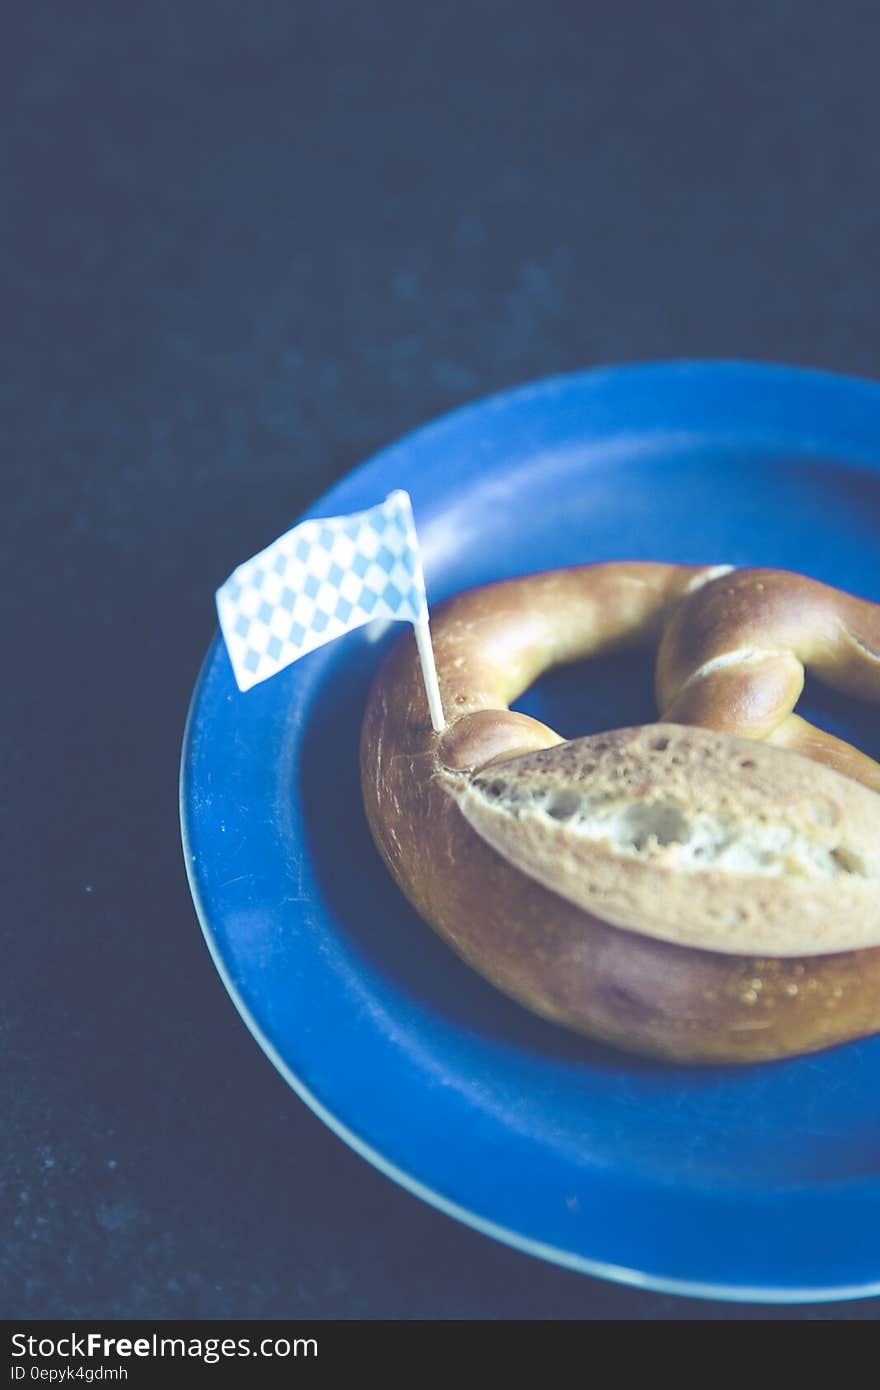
[(319, 581)]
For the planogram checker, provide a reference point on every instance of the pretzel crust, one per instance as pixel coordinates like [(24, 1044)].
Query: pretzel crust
[(734, 654), (562, 962)]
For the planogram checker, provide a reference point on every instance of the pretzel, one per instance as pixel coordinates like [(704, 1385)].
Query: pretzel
[(731, 647)]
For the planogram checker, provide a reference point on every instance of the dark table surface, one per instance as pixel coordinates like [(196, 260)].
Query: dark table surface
[(245, 246)]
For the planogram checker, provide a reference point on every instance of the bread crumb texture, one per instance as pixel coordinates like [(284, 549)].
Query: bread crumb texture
[(692, 836)]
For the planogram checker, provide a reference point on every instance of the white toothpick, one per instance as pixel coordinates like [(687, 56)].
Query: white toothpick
[(429, 672)]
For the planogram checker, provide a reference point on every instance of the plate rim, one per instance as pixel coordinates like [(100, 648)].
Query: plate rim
[(730, 1292)]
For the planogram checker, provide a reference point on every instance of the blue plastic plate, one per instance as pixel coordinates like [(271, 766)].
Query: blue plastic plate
[(760, 1183)]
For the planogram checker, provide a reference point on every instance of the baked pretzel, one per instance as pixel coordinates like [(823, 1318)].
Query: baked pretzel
[(731, 651)]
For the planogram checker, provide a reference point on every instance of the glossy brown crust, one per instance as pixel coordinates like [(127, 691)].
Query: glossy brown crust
[(734, 654), (641, 994)]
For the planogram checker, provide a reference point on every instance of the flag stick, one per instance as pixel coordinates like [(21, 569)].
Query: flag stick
[(429, 672)]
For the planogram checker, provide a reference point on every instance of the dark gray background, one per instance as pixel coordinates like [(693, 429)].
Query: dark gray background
[(244, 246)]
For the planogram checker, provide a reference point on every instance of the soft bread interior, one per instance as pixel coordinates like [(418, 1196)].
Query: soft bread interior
[(693, 837)]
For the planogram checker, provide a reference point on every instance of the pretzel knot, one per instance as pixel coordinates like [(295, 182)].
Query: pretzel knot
[(732, 650), (734, 653)]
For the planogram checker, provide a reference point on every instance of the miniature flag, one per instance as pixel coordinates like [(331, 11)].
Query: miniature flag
[(323, 579)]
